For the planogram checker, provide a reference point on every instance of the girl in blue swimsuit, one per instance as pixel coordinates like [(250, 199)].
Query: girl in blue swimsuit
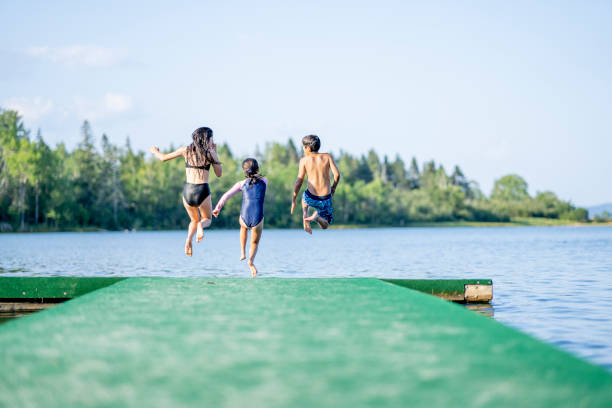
[(253, 189), (199, 156)]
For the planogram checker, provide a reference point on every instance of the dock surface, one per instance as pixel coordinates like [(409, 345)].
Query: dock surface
[(193, 342)]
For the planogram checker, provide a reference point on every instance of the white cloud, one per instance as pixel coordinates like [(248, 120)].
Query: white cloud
[(112, 103), (117, 103), (30, 108), (37, 108), (87, 55)]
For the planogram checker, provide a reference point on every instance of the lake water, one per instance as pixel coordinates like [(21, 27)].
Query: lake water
[(552, 282)]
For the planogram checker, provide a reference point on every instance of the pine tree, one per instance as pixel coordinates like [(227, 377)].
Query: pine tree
[(363, 171), (413, 178), (384, 171), (398, 172), (374, 164), (85, 162), (294, 156), (458, 179), (110, 196)]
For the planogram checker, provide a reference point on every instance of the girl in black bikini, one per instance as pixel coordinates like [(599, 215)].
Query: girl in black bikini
[(199, 156)]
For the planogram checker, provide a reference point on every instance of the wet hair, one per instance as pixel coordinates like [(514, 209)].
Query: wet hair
[(251, 170), (312, 141), (198, 152)]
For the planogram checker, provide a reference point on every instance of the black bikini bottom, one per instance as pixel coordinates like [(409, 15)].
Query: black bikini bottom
[(194, 194)]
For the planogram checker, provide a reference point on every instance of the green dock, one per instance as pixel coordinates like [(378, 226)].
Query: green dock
[(193, 342)]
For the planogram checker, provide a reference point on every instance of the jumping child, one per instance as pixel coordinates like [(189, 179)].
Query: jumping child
[(199, 156), (318, 193), (251, 215)]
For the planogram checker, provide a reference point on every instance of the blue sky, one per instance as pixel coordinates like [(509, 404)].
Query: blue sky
[(495, 87)]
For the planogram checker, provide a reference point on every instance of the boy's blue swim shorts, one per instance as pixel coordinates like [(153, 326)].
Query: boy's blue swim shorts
[(322, 204)]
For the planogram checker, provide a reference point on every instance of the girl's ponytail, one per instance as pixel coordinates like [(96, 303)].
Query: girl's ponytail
[(251, 170)]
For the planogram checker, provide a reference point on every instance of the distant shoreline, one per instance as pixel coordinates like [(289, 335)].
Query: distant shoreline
[(517, 222)]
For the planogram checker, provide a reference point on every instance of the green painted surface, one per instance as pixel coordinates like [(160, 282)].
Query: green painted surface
[(52, 287), (159, 342), (439, 286)]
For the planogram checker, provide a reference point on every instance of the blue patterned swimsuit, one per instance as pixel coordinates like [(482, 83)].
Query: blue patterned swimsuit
[(323, 204)]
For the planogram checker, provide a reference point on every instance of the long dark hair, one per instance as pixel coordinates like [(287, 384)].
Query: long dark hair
[(251, 170), (198, 152)]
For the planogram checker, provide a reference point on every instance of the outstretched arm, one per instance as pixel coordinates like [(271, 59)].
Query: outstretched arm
[(169, 156), (228, 194), (335, 172), (298, 183)]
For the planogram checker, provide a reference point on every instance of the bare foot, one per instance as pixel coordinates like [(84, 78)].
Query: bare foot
[(307, 227), (200, 234), (323, 222), (253, 269), (312, 217), (188, 250), (242, 257)]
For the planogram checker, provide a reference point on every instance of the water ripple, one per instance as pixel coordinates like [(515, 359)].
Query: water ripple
[(554, 283)]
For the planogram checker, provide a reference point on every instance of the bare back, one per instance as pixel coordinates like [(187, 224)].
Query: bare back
[(194, 175), (317, 167)]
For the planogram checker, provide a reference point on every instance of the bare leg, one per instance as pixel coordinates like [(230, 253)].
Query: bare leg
[(313, 217), (205, 211), (195, 218), (307, 227), (200, 232), (256, 232), (322, 222), (243, 238)]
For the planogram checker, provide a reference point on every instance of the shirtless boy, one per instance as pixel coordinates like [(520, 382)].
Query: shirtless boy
[(318, 193)]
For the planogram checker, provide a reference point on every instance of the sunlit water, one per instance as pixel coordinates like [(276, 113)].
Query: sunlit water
[(552, 282)]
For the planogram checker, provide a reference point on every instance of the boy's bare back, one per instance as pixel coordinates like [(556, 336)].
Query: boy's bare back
[(317, 166)]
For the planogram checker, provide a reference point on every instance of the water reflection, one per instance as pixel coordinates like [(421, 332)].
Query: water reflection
[(485, 309)]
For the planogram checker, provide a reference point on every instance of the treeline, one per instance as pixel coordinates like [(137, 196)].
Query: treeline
[(100, 185)]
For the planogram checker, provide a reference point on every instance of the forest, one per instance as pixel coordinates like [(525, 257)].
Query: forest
[(98, 185)]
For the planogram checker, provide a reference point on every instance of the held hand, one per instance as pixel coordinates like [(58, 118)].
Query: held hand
[(216, 212), (292, 205), (154, 149), (213, 150)]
